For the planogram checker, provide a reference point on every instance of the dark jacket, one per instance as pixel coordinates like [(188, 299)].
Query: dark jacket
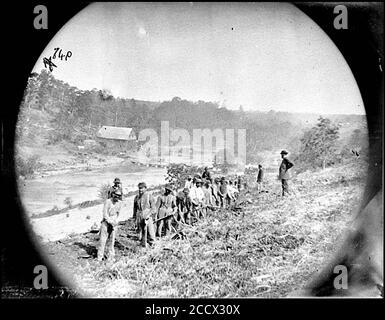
[(260, 175), (183, 202), (206, 175), (144, 206), (165, 205), (222, 191), (112, 189), (284, 173)]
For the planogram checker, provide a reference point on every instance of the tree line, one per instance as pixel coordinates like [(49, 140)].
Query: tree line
[(78, 114)]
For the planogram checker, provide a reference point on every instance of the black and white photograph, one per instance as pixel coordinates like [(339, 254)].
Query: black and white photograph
[(200, 150)]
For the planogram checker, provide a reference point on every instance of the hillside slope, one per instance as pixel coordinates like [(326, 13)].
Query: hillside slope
[(267, 249)]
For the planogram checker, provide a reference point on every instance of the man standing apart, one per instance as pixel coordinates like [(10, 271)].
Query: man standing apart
[(108, 228), (260, 177), (284, 174), (166, 205), (144, 208)]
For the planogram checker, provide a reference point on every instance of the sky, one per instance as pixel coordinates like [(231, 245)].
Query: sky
[(261, 56)]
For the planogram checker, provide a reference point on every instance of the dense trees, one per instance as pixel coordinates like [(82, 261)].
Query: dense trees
[(78, 114), (319, 144)]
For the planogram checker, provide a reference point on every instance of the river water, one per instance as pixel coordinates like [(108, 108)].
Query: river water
[(42, 194)]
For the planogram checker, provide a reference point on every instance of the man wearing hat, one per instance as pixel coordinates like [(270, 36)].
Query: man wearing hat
[(232, 192), (108, 228), (206, 174), (197, 197), (144, 208), (214, 190), (260, 177), (209, 199), (222, 193), (117, 186), (184, 204), (284, 174), (166, 206)]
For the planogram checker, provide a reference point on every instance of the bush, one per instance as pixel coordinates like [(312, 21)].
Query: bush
[(318, 145), (68, 202), (103, 191), (100, 148), (27, 167), (177, 174)]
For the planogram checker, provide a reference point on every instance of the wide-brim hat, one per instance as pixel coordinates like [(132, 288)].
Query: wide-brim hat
[(117, 180), (284, 152), (169, 188), (142, 185)]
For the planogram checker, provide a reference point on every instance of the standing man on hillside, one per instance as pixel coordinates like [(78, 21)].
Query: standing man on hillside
[(222, 193), (197, 198), (284, 174), (184, 206), (117, 186), (189, 183), (166, 206), (206, 174), (239, 183), (209, 199), (144, 208), (111, 211), (214, 190), (260, 176)]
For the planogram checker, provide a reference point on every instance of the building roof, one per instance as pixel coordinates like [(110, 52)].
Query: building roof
[(116, 133)]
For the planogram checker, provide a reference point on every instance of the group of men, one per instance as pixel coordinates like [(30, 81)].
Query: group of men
[(153, 218), (200, 195)]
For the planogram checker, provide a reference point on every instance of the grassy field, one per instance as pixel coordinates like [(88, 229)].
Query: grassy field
[(267, 247)]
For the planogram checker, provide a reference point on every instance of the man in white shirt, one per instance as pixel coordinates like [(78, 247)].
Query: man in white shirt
[(197, 196), (188, 184), (109, 225), (232, 191)]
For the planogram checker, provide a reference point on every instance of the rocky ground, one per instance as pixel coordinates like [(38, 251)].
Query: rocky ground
[(265, 246)]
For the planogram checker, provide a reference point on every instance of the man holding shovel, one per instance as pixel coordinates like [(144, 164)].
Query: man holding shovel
[(144, 208), (109, 224), (183, 202), (197, 199), (166, 205)]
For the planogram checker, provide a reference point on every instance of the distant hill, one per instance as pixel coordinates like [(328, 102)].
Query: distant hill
[(151, 104), (70, 115)]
